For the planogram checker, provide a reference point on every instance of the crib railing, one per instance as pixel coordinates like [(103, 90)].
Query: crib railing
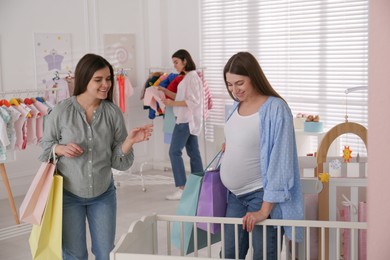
[(146, 229)]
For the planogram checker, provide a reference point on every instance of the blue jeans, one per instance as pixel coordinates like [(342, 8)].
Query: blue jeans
[(101, 215), (181, 138), (237, 207)]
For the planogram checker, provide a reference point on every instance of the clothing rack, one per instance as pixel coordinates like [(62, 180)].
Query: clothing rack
[(118, 71), (26, 91), (170, 69), (3, 170)]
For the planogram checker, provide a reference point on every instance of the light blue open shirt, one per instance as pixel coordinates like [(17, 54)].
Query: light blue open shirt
[(279, 163)]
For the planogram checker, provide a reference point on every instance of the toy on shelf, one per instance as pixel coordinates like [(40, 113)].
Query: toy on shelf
[(299, 120), (347, 154), (312, 124)]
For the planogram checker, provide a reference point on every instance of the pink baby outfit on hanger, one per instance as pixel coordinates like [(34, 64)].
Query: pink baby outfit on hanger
[(154, 96)]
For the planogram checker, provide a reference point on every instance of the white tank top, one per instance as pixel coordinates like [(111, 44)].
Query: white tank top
[(240, 166)]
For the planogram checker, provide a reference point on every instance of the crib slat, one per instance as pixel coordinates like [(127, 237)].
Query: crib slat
[(236, 240), (181, 238), (208, 240), (308, 243), (264, 242), (169, 246), (223, 239), (293, 243), (250, 250), (195, 240), (279, 239)]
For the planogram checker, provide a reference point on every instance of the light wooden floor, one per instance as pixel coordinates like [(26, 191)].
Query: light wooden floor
[(133, 203)]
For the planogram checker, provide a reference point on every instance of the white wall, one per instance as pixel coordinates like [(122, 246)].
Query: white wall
[(160, 28)]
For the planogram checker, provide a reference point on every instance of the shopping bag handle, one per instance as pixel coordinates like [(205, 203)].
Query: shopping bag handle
[(54, 156), (215, 157)]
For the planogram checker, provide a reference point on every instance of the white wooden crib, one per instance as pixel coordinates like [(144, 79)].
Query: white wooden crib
[(149, 237)]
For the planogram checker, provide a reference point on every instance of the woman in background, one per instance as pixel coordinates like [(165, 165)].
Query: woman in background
[(260, 163), (188, 110), (88, 133)]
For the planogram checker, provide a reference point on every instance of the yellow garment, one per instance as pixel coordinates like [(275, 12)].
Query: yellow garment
[(161, 78), (46, 239)]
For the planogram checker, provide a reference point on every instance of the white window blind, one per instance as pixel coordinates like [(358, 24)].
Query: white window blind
[(311, 52)]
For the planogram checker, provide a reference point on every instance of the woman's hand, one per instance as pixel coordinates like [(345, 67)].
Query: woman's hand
[(251, 218), (140, 134), (223, 147), (70, 150), (168, 102), (137, 135)]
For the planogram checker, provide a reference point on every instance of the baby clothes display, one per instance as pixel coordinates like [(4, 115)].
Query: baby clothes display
[(21, 123)]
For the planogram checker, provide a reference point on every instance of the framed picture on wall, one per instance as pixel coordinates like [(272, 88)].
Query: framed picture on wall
[(119, 50), (53, 56)]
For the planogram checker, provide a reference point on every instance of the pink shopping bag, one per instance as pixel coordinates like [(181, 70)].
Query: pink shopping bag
[(33, 205), (362, 235), (345, 215)]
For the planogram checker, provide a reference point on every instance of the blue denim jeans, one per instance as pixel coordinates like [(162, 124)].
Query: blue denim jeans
[(101, 215), (181, 138), (237, 207)]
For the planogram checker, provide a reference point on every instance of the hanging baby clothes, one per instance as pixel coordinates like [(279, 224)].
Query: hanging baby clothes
[(61, 92), (154, 77), (4, 140), (121, 88), (21, 123), (32, 122), (122, 91), (44, 110), (149, 82), (15, 115), (153, 99), (70, 81)]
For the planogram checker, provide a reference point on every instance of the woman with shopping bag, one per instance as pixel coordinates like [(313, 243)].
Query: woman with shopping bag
[(260, 163), (91, 138)]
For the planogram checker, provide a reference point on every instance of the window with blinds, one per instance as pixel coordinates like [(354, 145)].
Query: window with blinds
[(311, 51)]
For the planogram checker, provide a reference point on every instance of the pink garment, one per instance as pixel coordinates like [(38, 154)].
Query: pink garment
[(44, 110), (208, 99), (19, 125), (32, 125), (41, 107), (154, 96)]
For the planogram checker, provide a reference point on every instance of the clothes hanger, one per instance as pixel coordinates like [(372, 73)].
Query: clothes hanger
[(13, 102), (5, 102), (28, 101)]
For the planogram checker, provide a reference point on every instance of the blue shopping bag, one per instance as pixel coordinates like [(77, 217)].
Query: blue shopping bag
[(187, 207)]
